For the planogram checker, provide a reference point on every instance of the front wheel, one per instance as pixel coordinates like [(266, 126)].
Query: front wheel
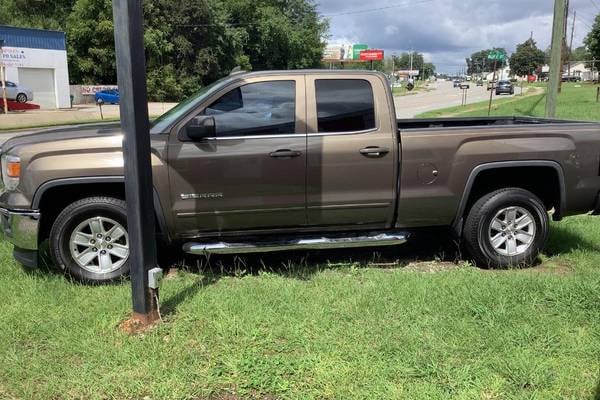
[(22, 98), (506, 228), (89, 240)]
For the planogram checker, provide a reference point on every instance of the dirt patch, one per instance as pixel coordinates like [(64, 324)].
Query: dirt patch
[(556, 267), (135, 326), (430, 266)]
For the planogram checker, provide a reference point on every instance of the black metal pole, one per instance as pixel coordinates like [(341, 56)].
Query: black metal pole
[(131, 74)]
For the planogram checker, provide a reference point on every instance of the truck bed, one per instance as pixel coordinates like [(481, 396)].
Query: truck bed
[(422, 123)]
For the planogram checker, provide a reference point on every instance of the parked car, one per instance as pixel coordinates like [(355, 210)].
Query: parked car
[(456, 83), (282, 160), (17, 92), (571, 78), (480, 83), (505, 87), (110, 96)]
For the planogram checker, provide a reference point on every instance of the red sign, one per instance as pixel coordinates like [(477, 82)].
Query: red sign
[(371, 55)]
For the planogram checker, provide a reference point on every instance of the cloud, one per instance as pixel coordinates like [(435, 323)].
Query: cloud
[(448, 31)]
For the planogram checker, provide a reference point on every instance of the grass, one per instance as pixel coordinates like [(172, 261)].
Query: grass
[(313, 329), (420, 86), (577, 101)]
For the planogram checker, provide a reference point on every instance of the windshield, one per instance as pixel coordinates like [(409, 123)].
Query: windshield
[(164, 122)]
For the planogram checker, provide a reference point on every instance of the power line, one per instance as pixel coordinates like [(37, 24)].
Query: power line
[(584, 22), (407, 4)]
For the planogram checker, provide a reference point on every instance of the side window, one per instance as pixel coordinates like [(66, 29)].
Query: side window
[(344, 105), (262, 108), (9, 84)]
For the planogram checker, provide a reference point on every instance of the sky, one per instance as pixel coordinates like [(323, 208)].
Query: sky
[(448, 31)]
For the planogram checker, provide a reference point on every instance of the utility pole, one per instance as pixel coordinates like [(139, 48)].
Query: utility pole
[(3, 76), (131, 75), (571, 44), (558, 31)]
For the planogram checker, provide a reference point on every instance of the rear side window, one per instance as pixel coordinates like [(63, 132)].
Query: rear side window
[(344, 105)]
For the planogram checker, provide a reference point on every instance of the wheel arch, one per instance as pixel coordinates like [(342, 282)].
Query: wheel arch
[(502, 167), (69, 190)]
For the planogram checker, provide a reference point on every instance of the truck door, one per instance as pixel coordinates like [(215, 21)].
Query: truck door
[(352, 152), (252, 174)]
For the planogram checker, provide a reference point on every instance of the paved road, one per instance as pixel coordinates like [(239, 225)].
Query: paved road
[(443, 95)]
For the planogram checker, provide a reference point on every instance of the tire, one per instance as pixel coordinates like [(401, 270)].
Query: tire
[(91, 256), (21, 98), (512, 92), (516, 247)]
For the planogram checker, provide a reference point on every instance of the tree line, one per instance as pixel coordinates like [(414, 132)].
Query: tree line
[(188, 43)]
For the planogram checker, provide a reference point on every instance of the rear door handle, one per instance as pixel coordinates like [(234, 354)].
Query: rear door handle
[(285, 153), (373, 151)]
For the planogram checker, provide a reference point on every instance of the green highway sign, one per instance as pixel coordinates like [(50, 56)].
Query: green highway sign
[(496, 55)]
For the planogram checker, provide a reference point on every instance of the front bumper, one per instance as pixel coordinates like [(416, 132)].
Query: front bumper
[(21, 228)]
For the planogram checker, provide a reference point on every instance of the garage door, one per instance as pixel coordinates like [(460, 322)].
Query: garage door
[(41, 82)]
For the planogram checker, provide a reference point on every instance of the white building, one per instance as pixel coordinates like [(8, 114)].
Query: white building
[(37, 59), (502, 74), (580, 70)]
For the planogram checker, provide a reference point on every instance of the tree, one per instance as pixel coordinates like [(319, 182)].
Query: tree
[(188, 43), (581, 54), (418, 63), (479, 63), (592, 40), (526, 59)]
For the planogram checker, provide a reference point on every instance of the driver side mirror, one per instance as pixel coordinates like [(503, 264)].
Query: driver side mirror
[(201, 127)]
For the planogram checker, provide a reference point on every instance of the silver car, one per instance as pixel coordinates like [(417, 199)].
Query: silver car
[(14, 91)]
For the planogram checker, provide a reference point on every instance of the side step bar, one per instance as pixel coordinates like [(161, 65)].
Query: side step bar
[(387, 238)]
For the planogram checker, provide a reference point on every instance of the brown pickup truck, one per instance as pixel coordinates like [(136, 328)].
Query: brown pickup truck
[(269, 161)]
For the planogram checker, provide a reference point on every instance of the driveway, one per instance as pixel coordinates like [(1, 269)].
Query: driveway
[(443, 95)]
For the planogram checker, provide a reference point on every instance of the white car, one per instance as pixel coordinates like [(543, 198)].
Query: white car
[(14, 91)]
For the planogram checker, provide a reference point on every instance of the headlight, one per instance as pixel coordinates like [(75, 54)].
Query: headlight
[(11, 171)]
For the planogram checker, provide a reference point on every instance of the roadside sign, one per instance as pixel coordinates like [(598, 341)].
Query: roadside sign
[(496, 55), (371, 55), (346, 52)]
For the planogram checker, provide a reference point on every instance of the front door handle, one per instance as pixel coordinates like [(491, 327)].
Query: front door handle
[(373, 151), (285, 153)]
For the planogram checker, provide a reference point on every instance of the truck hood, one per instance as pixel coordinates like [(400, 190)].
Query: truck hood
[(62, 134)]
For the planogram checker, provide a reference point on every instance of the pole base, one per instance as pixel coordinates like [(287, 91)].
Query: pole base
[(139, 323)]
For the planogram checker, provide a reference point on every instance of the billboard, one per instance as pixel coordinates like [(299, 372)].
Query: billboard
[(371, 55), (343, 52)]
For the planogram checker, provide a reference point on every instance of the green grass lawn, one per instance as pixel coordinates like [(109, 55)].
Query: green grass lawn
[(577, 101), (309, 329), (420, 86)]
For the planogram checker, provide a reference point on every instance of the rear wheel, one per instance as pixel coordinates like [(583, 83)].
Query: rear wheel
[(506, 228), (22, 98), (89, 240)]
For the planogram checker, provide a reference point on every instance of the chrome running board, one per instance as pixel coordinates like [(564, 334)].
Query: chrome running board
[(299, 243)]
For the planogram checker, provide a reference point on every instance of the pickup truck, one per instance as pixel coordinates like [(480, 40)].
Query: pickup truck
[(279, 160)]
